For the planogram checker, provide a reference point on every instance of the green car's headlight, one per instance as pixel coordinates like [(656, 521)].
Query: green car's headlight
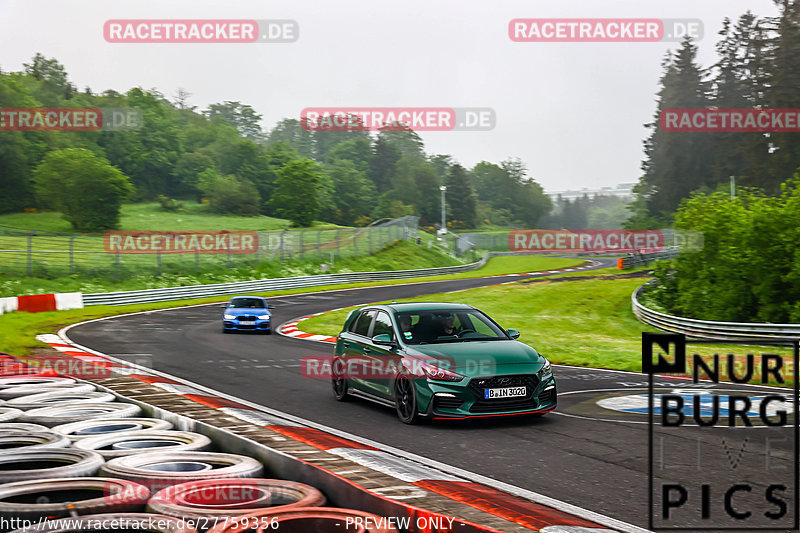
[(546, 371), (440, 374), (228, 317)]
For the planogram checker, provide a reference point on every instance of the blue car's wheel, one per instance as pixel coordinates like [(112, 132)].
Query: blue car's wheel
[(405, 399)]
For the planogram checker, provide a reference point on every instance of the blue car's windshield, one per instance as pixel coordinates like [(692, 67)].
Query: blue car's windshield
[(252, 303), (427, 327)]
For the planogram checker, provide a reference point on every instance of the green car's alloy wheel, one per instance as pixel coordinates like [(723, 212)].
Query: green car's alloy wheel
[(405, 400)]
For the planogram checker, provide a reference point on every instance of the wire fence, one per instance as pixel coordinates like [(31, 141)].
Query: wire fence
[(49, 255)]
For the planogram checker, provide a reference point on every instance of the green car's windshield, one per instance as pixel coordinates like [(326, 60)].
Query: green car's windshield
[(439, 326)]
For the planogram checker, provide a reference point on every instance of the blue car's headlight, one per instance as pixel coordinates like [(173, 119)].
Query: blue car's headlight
[(546, 371), (228, 317), (263, 317)]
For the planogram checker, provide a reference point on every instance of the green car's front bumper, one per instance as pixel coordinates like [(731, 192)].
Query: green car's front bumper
[(464, 399)]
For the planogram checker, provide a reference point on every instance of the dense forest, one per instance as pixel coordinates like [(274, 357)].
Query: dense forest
[(758, 66), (221, 156)]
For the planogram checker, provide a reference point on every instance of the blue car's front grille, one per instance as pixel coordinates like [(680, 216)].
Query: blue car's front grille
[(247, 317), (482, 405)]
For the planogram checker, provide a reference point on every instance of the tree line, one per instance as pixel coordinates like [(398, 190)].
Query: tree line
[(757, 66), (222, 156)]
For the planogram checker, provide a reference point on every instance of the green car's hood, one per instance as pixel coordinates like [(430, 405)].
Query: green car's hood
[(480, 358)]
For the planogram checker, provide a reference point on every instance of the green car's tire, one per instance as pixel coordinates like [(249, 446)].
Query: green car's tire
[(405, 400), (340, 389)]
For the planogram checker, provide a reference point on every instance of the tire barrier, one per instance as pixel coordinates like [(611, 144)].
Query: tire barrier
[(228, 498), (93, 428), (25, 390), (117, 522), (35, 379), (21, 426), (57, 498), (45, 399), (12, 441), (62, 414), (307, 519), (7, 414), (158, 470), (111, 446), (48, 463)]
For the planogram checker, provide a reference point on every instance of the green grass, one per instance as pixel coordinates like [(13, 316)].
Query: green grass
[(401, 255), (18, 330), (585, 323), (148, 216)]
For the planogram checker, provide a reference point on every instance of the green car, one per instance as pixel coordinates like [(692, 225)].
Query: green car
[(439, 361)]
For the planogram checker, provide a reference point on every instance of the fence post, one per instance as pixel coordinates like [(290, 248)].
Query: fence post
[(302, 253), (158, 260), (338, 231), (319, 244), (197, 259), (30, 252), (369, 240), (116, 266), (355, 244), (72, 254), (282, 245)]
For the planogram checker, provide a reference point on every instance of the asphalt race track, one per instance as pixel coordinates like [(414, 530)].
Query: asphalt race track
[(588, 454)]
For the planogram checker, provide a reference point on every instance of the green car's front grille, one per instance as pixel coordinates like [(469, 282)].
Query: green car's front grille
[(482, 405)]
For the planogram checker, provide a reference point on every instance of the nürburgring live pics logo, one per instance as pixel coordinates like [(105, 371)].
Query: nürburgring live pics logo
[(725, 457)]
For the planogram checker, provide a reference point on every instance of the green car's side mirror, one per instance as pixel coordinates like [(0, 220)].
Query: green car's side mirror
[(514, 334), (383, 340)]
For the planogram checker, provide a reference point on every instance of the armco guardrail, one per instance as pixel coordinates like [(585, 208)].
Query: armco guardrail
[(706, 329), (274, 284)]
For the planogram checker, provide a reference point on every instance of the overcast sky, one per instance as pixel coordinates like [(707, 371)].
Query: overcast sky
[(573, 112)]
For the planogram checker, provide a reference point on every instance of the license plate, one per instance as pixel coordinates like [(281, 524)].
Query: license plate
[(247, 322), (507, 392)]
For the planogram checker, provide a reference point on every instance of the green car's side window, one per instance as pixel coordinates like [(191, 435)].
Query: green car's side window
[(383, 326), (362, 323)]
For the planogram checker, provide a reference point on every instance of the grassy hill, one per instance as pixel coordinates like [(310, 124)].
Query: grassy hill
[(149, 216)]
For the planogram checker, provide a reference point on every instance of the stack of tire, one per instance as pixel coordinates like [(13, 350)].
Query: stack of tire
[(83, 461)]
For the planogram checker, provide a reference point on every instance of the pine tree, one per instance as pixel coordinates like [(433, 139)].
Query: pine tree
[(461, 198), (677, 162)]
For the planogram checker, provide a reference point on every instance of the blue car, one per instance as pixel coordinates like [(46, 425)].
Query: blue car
[(247, 313)]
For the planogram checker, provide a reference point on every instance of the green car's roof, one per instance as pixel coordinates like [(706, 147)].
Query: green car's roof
[(426, 306)]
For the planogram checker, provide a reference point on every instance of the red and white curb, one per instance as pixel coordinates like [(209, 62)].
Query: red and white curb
[(291, 329), (35, 303), (414, 473)]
